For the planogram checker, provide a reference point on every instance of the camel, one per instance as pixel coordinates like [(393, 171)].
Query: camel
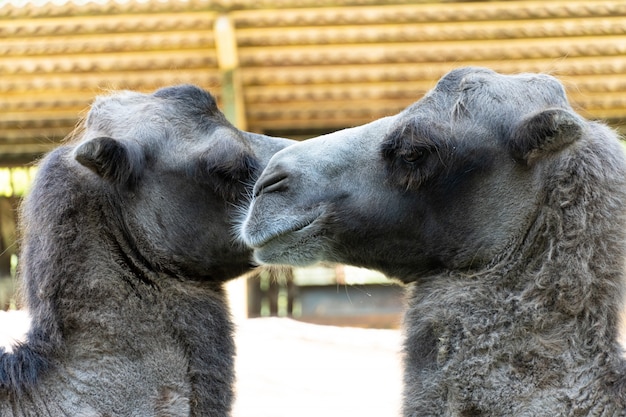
[(126, 242), (503, 211)]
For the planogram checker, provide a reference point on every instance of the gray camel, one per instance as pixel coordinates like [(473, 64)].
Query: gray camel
[(504, 212), (126, 240)]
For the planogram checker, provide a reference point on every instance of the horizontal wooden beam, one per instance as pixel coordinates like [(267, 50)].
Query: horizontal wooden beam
[(113, 80), (429, 52), (306, 65), (107, 24), (418, 12), (115, 42), (430, 32), (602, 67), (28, 136), (113, 61)]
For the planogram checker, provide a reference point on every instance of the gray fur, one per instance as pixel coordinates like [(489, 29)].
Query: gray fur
[(503, 211), (126, 241)]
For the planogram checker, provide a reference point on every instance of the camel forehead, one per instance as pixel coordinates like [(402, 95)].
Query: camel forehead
[(479, 99), (479, 93), (487, 84), (174, 99), (183, 108)]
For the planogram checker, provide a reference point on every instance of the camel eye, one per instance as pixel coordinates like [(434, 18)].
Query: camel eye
[(414, 156)]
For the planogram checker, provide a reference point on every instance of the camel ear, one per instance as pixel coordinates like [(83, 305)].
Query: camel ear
[(545, 132), (113, 160)]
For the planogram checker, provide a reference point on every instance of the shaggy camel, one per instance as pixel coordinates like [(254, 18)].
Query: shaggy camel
[(126, 242), (504, 212)]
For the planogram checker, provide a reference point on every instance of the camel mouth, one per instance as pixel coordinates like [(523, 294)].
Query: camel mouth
[(295, 229), (293, 242)]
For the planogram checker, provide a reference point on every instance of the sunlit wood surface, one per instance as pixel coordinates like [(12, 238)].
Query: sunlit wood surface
[(304, 65)]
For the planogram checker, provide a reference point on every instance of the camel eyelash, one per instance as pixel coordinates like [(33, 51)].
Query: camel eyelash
[(415, 156)]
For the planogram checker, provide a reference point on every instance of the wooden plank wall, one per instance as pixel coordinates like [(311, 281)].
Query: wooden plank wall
[(304, 65), (55, 59), (338, 67)]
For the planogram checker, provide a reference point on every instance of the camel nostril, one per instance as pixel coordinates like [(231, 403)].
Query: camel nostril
[(271, 183)]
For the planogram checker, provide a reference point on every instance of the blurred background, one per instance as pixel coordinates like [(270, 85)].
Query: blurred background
[(292, 68)]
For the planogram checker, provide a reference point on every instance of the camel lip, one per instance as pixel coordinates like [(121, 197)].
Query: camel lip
[(284, 230), (298, 228), (300, 244)]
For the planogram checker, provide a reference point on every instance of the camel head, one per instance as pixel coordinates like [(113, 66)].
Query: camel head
[(176, 170), (450, 183)]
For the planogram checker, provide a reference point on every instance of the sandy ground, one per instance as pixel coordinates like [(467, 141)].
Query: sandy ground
[(288, 368), (13, 327)]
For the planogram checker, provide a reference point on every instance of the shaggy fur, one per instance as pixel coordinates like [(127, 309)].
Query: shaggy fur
[(535, 332), (126, 242), (504, 212)]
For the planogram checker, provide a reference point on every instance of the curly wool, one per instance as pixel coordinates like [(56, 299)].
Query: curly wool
[(533, 334), (124, 250)]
